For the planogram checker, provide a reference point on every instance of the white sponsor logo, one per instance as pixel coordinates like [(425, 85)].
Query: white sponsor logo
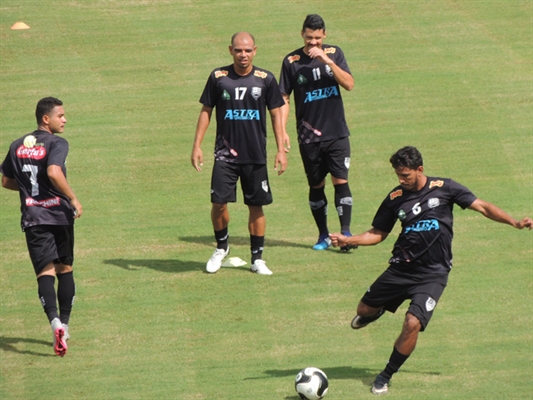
[(433, 203), (347, 162), (264, 185), (430, 304), (329, 71), (347, 201)]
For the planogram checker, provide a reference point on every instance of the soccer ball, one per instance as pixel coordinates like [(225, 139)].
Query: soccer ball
[(311, 384)]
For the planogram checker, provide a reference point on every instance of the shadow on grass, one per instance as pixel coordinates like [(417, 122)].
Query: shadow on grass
[(9, 344), (157, 265), (243, 241), (365, 375)]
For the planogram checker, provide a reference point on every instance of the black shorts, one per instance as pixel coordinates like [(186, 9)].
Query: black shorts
[(254, 183), (393, 287), (47, 243), (321, 158)]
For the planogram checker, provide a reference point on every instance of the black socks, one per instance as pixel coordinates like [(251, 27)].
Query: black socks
[(343, 203), (222, 237), (319, 207), (66, 291), (396, 360), (47, 295), (256, 247)]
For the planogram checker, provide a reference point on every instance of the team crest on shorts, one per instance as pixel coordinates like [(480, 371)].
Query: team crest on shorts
[(347, 162), (430, 304), (256, 92), (264, 185)]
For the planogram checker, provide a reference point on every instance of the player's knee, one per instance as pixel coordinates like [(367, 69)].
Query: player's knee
[(366, 311), (412, 324)]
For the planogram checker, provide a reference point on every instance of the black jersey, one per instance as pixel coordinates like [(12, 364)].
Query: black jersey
[(241, 103), (425, 241), (27, 162), (317, 95)]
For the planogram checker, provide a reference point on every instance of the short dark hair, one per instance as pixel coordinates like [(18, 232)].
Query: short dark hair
[(314, 22), (45, 106), (408, 157)]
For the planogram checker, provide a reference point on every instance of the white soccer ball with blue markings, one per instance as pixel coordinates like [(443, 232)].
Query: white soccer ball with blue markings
[(311, 384)]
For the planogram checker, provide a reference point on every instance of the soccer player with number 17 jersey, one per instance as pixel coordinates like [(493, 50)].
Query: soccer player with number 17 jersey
[(241, 94)]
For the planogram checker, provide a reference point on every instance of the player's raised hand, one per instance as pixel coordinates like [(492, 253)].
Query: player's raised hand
[(316, 52)]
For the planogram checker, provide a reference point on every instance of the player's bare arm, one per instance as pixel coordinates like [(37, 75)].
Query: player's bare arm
[(9, 183), (280, 162), (285, 110), (342, 77), (58, 179), (197, 157), (369, 238), (497, 214)]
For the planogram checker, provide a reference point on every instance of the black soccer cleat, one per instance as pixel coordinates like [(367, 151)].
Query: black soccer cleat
[(360, 322)]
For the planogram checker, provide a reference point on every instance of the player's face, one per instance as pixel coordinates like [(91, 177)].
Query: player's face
[(410, 179), (56, 120), (313, 39), (243, 52)]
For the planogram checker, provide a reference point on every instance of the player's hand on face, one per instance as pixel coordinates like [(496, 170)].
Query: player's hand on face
[(197, 159), (280, 163), (316, 52)]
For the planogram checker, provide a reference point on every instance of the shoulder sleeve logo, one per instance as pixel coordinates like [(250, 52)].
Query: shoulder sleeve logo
[(260, 74), (433, 184), (396, 193), (293, 58), (221, 73)]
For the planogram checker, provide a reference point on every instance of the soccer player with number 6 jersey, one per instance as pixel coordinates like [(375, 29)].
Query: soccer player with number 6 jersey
[(422, 255)]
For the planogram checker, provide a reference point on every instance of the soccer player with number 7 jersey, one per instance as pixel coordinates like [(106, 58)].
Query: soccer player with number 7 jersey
[(35, 167)]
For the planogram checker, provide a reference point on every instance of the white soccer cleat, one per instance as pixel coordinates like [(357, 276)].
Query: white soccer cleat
[(215, 262), (260, 267), (67, 335), (58, 332)]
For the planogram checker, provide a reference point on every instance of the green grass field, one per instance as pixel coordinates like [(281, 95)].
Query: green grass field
[(454, 78)]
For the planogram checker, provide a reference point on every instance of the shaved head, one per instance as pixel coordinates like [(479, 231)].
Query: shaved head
[(242, 35)]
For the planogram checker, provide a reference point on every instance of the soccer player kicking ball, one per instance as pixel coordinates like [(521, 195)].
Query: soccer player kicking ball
[(422, 255), (35, 167)]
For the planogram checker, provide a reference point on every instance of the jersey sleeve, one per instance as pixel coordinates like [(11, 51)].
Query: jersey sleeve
[(209, 98), (6, 168), (285, 78), (274, 97), (58, 152), (340, 60), (462, 196), (385, 219)]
